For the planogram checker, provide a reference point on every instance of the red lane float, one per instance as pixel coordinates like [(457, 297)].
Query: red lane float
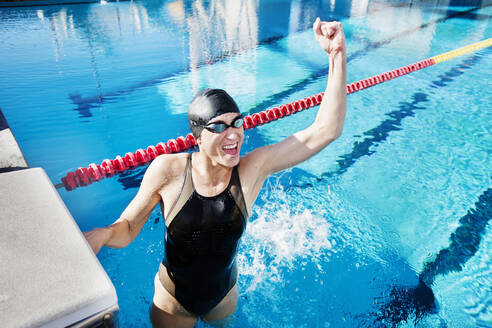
[(86, 175)]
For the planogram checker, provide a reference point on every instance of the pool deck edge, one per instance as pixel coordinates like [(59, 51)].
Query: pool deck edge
[(11, 157), (40, 235)]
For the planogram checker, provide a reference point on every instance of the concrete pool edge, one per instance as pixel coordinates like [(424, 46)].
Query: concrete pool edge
[(40, 236), (11, 157)]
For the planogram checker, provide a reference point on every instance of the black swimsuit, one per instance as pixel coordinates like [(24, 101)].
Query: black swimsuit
[(201, 243)]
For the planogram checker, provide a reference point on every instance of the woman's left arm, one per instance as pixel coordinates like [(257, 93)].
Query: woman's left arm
[(329, 121)]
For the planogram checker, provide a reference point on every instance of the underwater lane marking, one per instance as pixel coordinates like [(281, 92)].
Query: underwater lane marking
[(464, 241), (85, 104), (404, 303)]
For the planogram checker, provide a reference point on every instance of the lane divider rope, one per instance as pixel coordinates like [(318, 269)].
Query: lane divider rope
[(95, 172)]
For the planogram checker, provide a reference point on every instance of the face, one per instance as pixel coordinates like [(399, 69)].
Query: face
[(223, 147)]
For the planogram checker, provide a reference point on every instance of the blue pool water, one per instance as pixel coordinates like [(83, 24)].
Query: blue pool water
[(342, 239)]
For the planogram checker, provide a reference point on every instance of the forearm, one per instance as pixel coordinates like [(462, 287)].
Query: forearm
[(133, 218), (329, 121), (116, 235), (124, 230), (119, 234)]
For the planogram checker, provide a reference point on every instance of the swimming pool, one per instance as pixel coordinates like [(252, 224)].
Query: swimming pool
[(335, 242)]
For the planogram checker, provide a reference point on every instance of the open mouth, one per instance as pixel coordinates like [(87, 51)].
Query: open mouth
[(230, 149)]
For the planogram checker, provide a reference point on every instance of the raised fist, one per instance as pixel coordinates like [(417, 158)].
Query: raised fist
[(330, 36)]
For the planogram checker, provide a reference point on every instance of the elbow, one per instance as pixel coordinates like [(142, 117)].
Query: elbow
[(133, 232), (337, 133), (121, 235), (332, 134), (331, 138), (328, 132)]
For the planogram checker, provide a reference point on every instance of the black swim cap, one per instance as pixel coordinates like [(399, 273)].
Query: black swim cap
[(207, 104)]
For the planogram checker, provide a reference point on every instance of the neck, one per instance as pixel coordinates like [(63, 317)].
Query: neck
[(211, 173)]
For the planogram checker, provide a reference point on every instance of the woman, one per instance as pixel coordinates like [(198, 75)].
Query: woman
[(206, 196)]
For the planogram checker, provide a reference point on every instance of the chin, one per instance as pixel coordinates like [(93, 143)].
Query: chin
[(231, 161)]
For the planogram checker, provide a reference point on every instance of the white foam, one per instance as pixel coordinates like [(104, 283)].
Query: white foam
[(279, 237), (292, 229)]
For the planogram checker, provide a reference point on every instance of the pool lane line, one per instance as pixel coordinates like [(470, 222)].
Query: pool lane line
[(86, 175), (404, 303), (302, 84), (461, 51), (85, 104), (381, 132), (373, 137)]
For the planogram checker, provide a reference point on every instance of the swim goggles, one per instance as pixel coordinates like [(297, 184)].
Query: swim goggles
[(220, 126)]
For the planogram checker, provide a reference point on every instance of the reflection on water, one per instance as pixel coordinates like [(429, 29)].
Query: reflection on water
[(201, 32), (211, 29), (147, 43), (206, 30), (150, 41), (225, 25)]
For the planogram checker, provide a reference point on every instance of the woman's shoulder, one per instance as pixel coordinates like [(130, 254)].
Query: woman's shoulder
[(165, 168), (169, 163)]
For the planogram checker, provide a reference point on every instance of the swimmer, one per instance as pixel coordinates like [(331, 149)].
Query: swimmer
[(206, 196)]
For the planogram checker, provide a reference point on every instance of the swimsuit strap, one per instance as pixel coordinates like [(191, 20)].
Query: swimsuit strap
[(184, 194), (236, 191), (187, 189)]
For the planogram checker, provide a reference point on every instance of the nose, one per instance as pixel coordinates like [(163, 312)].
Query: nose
[(233, 133)]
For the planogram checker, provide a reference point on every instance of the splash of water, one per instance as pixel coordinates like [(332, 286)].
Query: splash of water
[(279, 238)]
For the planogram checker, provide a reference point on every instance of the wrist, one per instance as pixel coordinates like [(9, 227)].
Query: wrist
[(337, 63), (108, 234), (337, 55)]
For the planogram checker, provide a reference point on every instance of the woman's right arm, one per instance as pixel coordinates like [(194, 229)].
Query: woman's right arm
[(124, 230)]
